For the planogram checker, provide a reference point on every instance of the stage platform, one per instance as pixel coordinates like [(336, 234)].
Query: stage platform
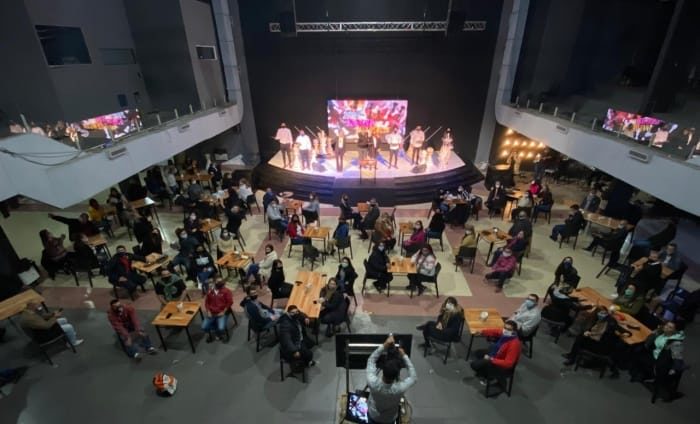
[(405, 185)]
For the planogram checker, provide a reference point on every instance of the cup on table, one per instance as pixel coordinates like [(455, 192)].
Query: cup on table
[(179, 307), (484, 315)]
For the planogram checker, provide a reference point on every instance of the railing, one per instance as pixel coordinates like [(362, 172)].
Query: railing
[(72, 134), (595, 123)]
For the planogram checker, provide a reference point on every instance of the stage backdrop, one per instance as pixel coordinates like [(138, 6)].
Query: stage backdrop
[(444, 79)]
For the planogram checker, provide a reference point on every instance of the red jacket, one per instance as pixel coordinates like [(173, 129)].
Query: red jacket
[(509, 352), (292, 230), (505, 264), (217, 303), (124, 322)]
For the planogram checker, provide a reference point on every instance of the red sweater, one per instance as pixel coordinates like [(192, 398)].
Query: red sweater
[(509, 352), (124, 322), (292, 230), (217, 303)]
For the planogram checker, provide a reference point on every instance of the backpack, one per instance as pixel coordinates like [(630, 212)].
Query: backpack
[(165, 384)]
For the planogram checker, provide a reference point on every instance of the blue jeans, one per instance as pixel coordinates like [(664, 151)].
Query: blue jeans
[(137, 340), (219, 322), (203, 278), (253, 269), (68, 329)]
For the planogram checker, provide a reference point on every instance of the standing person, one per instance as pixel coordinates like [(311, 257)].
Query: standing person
[(304, 143), (77, 226), (123, 319), (216, 304), (284, 136), (339, 150), (446, 148), (395, 142), (417, 138), (364, 140), (36, 319), (497, 199), (447, 325), (311, 210), (385, 392)]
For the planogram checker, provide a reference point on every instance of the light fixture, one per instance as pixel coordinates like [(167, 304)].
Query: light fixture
[(509, 132), (529, 155), (532, 144), (521, 154), (505, 153), (507, 142), (516, 143), (540, 146)]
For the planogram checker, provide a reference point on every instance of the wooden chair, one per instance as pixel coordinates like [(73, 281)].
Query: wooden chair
[(466, 253)]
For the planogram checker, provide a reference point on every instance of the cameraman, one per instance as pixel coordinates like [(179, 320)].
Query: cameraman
[(385, 392)]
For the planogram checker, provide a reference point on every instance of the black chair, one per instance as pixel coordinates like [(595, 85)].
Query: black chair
[(291, 369), (364, 280), (342, 244), (75, 270), (346, 317), (557, 326), (116, 294), (312, 254), (447, 344), (438, 237), (235, 323), (519, 256), (350, 291), (602, 361), (505, 381), (258, 331), (45, 338), (433, 280), (277, 231), (529, 341), (676, 275), (547, 214), (273, 297), (297, 242), (252, 200), (656, 384), (567, 238), (466, 253)]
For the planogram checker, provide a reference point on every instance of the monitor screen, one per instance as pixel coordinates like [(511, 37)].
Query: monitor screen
[(356, 408), (119, 123), (347, 117)]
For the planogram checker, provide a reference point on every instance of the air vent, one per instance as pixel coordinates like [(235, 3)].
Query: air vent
[(184, 128), (642, 157), (115, 153), (562, 129)]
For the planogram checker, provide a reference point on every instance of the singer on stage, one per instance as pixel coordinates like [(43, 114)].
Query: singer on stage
[(284, 136), (395, 141), (417, 139)]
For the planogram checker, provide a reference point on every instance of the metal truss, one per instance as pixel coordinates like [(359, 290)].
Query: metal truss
[(396, 26)]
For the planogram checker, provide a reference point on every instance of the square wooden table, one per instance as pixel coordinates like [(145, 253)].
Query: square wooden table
[(235, 261), (398, 265), (18, 303), (208, 226), (174, 317), (472, 318), (154, 262), (640, 332), (665, 271), (404, 228), (291, 205), (362, 207), (492, 236), (98, 241), (318, 233), (602, 220), (149, 203), (307, 291)]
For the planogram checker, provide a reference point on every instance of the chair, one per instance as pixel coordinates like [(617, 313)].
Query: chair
[(350, 291), (45, 338), (235, 323), (466, 253), (606, 250), (433, 280), (364, 280), (505, 381), (567, 238), (312, 254), (678, 276), (447, 344), (554, 325), (291, 369), (116, 295), (547, 214), (342, 244), (429, 235), (238, 237), (520, 256), (270, 229), (297, 242), (529, 341), (75, 270), (594, 358), (346, 316), (252, 200), (260, 330)]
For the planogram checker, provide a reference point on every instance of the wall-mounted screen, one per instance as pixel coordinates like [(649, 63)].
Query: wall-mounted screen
[(118, 124), (379, 116), (637, 127)]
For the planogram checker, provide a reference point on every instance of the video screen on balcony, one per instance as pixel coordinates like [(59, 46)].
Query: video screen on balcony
[(379, 116), (113, 125)]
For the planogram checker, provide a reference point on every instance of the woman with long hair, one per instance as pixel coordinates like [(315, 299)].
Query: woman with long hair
[(332, 306), (447, 325)]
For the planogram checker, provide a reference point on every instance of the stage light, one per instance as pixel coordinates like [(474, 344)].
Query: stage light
[(505, 153), (529, 155), (516, 143), (509, 132), (507, 143), (532, 144), (521, 154), (540, 146)]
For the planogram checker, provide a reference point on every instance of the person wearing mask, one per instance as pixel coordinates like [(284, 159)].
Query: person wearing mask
[(647, 274), (192, 225), (152, 243), (384, 231), (217, 303), (662, 359), (469, 237), (83, 256), (125, 322), (311, 210), (502, 269), (599, 337), (276, 219), (591, 202), (284, 137), (170, 288), (527, 316), (447, 325), (54, 256), (436, 225), (566, 273), (660, 239), (235, 218), (630, 302), (517, 245), (370, 219), (267, 198), (186, 246), (262, 316), (524, 205), (497, 199), (225, 244), (670, 257), (203, 266), (416, 240), (276, 283), (386, 391), (347, 212), (232, 199), (332, 303), (267, 262), (77, 226), (304, 144), (121, 273), (377, 267), (501, 356), (522, 223), (245, 192), (571, 226), (545, 203), (195, 191), (341, 232), (612, 241), (34, 318), (295, 230), (295, 345), (425, 269), (345, 276), (535, 187)]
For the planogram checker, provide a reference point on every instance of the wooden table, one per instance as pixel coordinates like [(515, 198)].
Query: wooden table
[(665, 271), (233, 260), (202, 177), (512, 197), (153, 262), (172, 316), (398, 265), (603, 221), (146, 202), (18, 303), (307, 291), (318, 233), (208, 226), (362, 207), (592, 296), (98, 241), (472, 318), (492, 236), (291, 205)]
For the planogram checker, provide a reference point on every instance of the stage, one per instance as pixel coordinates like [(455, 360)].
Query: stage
[(402, 186)]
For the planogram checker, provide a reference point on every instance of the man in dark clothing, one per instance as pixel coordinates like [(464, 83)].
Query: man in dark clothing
[(295, 345), (142, 228), (376, 267), (611, 241), (77, 226), (521, 224), (261, 316), (647, 276), (121, 273), (170, 288), (571, 226), (591, 202), (370, 219), (235, 219)]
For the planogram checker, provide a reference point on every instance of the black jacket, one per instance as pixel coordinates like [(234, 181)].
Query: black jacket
[(437, 223), (377, 261), (350, 277), (334, 308), (497, 197), (345, 210), (371, 217), (142, 229), (574, 223), (83, 257), (568, 275), (276, 283), (451, 330), (614, 240), (649, 277), (234, 221), (523, 225), (75, 227), (663, 237), (291, 334)]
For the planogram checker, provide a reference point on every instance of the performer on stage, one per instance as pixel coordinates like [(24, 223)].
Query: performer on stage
[(339, 151), (322, 143), (446, 148), (284, 136), (364, 142), (304, 144), (417, 139), (395, 141)]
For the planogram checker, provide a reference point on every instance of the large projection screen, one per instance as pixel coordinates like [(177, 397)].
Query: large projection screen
[(347, 117)]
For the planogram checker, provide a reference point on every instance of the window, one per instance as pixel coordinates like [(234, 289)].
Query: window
[(118, 56), (63, 45), (206, 52)]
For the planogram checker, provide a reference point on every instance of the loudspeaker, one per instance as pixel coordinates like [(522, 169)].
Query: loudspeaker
[(287, 22), (456, 21)]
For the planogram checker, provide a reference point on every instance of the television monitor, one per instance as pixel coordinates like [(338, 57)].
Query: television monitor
[(346, 117), (118, 124)]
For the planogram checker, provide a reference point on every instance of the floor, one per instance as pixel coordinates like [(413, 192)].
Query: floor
[(445, 393)]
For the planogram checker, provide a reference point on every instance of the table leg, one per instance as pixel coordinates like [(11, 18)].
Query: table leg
[(469, 349), (488, 255), (162, 340), (106, 249), (189, 337), (154, 210)]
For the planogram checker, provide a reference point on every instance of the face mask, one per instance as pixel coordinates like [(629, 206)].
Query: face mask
[(508, 333), (193, 217), (345, 264), (224, 235), (121, 252), (629, 292), (602, 315), (183, 236), (529, 303), (416, 227), (506, 254), (449, 307), (381, 248), (567, 264), (267, 252), (200, 252)]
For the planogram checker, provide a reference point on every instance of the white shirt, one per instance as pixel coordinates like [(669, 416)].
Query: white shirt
[(383, 404), (417, 138), (244, 191), (395, 140), (284, 135), (304, 142), (527, 319)]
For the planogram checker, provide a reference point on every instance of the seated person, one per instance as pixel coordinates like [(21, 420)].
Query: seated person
[(591, 202), (276, 283), (416, 240), (566, 272), (436, 225), (370, 219), (265, 265), (151, 243), (227, 181), (125, 322), (571, 226), (295, 345), (261, 316), (77, 226), (311, 210), (245, 192), (517, 245), (647, 275), (142, 227), (234, 220), (521, 224), (544, 204), (497, 199), (527, 316), (268, 197), (97, 215), (36, 319), (469, 237), (192, 225), (384, 231), (631, 301), (54, 256), (170, 288), (425, 269), (83, 257), (563, 306), (333, 308), (670, 257), (121, 273), (225, 244), (502, 269), (447, 325), (348, 213), (524, 205), (610, 241), (598, 338), (203, 267), (195, 191), (346, 276), (217, 303), (275, 218), (377, 267), (295, 230), (186, 246), (341, 232), (501, 356), (535, 187)]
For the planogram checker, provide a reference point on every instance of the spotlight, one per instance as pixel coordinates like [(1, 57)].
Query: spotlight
[(529, 155), (540, 146), (507, 143), (532, 144), (516, 143), (509, 132), (521, 154), (505, 153)]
